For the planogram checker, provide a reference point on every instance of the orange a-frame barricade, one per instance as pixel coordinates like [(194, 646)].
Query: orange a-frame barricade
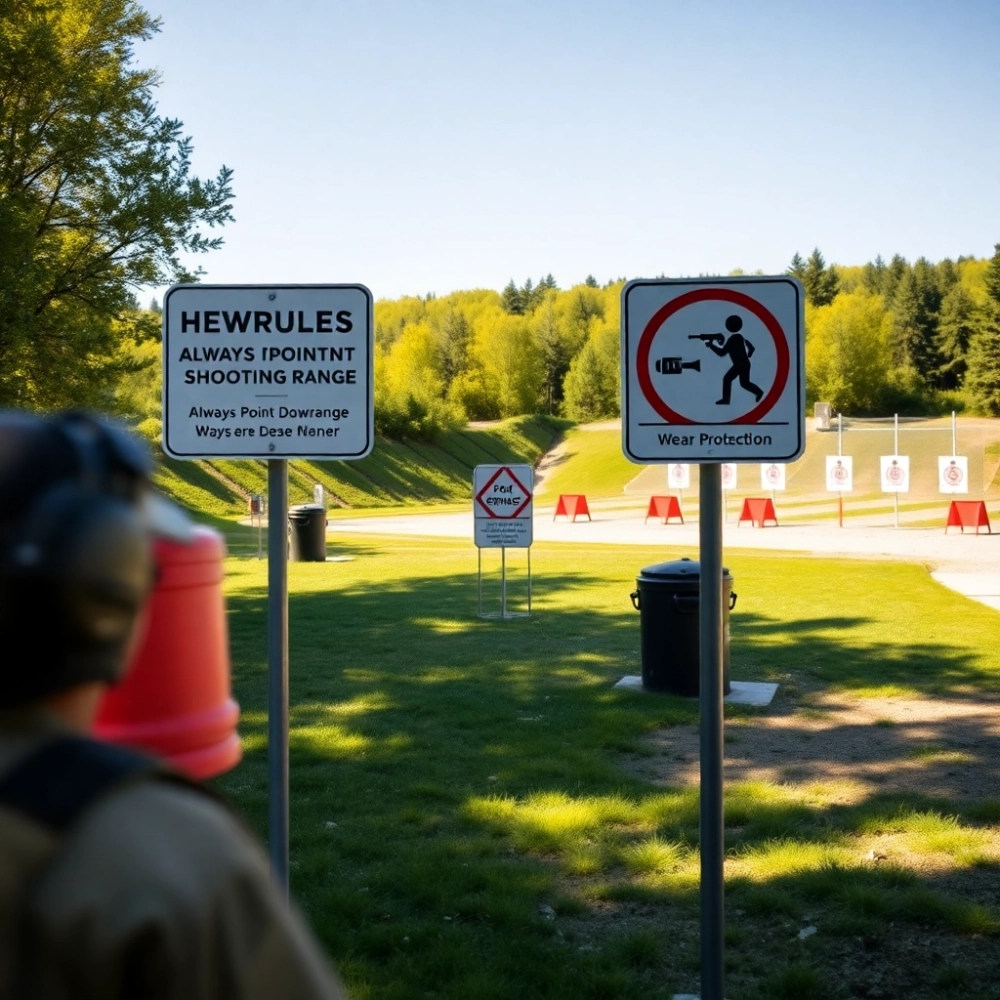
[(572, 505), (968, 514), (664, 508), (758, 510)]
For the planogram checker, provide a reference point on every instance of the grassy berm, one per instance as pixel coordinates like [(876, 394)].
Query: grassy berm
[(396, 473), (465, 822)]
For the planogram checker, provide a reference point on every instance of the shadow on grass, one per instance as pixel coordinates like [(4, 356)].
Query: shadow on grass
[(451, 774)]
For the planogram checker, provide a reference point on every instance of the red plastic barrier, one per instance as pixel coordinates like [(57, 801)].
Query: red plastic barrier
[(664, 508), (175, 700), (758, 510), (968, 514), (570, 505)]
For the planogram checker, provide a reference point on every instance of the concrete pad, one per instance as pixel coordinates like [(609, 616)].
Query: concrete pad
[(741, 693), (982, 587)]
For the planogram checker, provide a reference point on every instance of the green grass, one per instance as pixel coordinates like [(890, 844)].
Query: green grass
[(592, 463), (472, 769), (397, 473)]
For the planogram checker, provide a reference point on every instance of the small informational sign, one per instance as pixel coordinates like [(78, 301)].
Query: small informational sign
[(318, 495), (268, 371), (713, 370), (953, 473), (679, 476), (258, 505), (839, 473), (502, 506), (772, 476), (729, 478), (895, 473)]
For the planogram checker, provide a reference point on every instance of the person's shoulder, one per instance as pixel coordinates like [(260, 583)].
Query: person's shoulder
[(155, 834)]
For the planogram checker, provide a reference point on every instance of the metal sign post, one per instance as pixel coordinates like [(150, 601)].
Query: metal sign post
[(684, 343), (277, 669), (270, 372), (712, 824)]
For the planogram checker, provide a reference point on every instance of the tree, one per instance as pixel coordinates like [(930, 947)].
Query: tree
[(797, 268), (819, 280), (848, 353), (96, 196), (957, 322), (554, 352), (512, 299), (591, 384), (982, 378), (873, 276), (590, 281), (915, 307)]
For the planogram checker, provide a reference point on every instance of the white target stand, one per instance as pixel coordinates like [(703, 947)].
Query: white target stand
[(506, 612), (502, 519)]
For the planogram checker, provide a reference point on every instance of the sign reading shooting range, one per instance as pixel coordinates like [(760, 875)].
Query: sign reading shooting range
[(268, 371), (713, 370)]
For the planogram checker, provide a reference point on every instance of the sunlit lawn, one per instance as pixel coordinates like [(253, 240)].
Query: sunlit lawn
[(461, 823)]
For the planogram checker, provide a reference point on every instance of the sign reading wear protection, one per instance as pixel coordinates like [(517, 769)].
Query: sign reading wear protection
[(713, 370), (268, 371)]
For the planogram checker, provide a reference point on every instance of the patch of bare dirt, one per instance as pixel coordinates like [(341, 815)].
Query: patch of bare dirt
[(946, 747)]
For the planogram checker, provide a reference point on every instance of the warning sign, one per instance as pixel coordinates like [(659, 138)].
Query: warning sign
[(712, 370), (502, 506)]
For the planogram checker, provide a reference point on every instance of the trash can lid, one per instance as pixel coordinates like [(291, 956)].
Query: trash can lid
[(678, 569)]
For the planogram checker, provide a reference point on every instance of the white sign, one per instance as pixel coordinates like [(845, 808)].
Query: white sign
[(679, 477), (713, 370), (729, 478), (268, 371), (953, 474), (772, 476), (502, 507), (839, 473), (895, 473)]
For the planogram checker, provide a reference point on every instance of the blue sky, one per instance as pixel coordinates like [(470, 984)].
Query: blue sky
[(432, 146)]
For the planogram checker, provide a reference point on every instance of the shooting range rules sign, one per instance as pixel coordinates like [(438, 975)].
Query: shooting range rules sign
[(713, 370), (502, 506), (268, 371)]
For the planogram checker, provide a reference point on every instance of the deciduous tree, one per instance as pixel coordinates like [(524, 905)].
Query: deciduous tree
[(96, 195)]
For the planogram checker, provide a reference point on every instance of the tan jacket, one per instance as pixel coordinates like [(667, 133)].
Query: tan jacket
[(156, 893)]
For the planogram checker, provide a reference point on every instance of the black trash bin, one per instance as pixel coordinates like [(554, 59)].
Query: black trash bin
[(307, 530), (667, 600)]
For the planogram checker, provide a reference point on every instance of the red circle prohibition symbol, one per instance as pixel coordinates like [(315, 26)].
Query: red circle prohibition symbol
[(702, 295), (895, 473), (727, 474), (840, 472), (953, 474)]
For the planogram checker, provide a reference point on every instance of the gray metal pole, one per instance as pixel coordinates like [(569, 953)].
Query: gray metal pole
[(712, 821), (277, 668)]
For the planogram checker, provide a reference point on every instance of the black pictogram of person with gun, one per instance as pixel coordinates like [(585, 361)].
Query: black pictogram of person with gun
[(739, 350)]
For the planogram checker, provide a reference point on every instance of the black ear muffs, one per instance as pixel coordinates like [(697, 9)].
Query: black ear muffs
[(74, 575)]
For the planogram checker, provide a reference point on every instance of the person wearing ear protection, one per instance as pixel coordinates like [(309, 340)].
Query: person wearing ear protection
[(118, 877)]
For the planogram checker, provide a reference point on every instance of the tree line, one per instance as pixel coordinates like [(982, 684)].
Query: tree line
[(97, 200)]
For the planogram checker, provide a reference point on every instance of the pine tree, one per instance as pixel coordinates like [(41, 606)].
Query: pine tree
[(873, 276), (797, 268), (590, 281), (821, 282), (455, 335), (915, 307), (982, 378), (957, 323), (512, 299), (893, 276), (548, 284)]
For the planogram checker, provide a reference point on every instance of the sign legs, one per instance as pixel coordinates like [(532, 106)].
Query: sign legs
[(277, 668), (712, 821)]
